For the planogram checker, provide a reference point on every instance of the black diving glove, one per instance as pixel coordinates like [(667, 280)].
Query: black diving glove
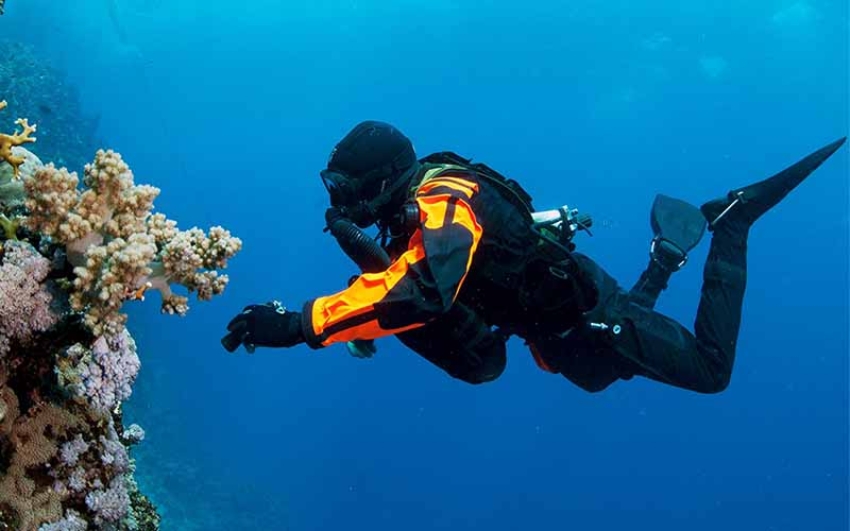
[(264, 325)]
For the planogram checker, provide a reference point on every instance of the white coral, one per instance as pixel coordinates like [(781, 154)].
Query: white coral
[(118, 246)]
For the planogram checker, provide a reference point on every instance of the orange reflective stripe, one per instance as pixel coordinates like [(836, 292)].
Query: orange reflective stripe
[(464, 216), (348, 311), (432, 210), (415, 282), (465, 187)]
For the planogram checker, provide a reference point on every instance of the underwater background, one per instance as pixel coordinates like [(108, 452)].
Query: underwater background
[(232, 109)]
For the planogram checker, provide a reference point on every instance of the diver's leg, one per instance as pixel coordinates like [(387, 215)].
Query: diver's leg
[(663, 349), (666, 351), (623, 337), (627, 338), (730, 218), (583, 354)]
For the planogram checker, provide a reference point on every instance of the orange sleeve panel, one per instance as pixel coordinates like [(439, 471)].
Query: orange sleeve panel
[(419, 285)]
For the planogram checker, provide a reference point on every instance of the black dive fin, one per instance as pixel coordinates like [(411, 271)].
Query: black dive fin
[(749, 203), (678, 227)]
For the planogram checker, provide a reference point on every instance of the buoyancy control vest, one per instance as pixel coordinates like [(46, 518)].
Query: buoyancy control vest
[(523, 274)]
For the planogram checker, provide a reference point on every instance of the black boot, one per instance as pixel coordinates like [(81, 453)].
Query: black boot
[(650, 284), (742, 207)]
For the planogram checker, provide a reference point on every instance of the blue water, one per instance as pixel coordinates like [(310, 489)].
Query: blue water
[(232, 109)]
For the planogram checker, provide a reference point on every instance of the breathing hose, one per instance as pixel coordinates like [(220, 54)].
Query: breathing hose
[(369, 256), (364, 251)]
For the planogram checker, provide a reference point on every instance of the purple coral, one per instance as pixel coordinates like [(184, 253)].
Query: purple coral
[(77, 479), (113, 452), (71, 522), (110, 504), (133, 434), (108, 371), (24, 300), (97, 471), (71, 450)]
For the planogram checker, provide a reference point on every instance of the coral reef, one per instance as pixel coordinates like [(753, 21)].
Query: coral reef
[(71, 255)]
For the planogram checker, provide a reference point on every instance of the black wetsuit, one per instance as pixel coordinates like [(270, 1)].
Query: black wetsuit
[(472, 271), (565, 341)]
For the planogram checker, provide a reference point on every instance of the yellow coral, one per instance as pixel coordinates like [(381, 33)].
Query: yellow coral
[(9, 227), (7, 142)]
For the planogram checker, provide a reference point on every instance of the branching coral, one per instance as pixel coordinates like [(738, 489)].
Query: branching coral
[(118, 246), (7, 142)]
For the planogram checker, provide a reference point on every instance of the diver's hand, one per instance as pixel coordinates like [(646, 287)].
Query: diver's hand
[(264, 325)]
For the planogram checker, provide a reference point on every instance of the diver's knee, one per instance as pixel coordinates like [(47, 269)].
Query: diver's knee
[(490, 373), (718, 383), (477, 379), (595, 387), (489, 370), (721, 381), (593, 383)]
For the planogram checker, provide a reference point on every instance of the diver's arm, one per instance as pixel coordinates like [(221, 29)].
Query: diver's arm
[(419, 285)]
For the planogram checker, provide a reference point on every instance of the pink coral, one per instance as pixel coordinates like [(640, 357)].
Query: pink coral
[(24, 300)]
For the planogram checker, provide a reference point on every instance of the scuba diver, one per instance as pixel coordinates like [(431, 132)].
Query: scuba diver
[(465, 262)]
